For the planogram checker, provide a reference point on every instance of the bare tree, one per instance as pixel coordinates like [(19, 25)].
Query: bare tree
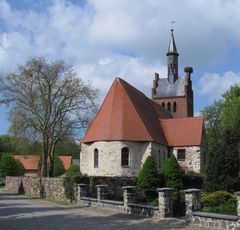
[(48, 102)]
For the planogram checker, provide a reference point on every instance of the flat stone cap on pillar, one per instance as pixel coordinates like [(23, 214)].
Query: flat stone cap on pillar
[(237, 193), (129, 187), (192, 190), (82, 185), (165, 189), (101, 185)]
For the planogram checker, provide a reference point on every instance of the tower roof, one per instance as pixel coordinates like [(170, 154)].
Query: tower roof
[(127, 115), (172, 49)]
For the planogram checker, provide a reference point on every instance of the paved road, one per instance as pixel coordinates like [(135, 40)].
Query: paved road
[(20, 213)]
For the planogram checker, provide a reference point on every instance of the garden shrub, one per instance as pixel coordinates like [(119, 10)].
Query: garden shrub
[(192, 180), (69, 187), (172, 173), (148, 176), (219, 202), (73, 170), (10, 167), (58, 169)]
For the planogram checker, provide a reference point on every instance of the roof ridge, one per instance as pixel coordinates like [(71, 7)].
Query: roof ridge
[(183, 118)]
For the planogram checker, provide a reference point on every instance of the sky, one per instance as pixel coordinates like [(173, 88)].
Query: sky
[(105, 39)]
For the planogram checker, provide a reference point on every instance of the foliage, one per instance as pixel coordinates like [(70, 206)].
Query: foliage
[(172, 173), (49, 102), (58, 167), (219, 202), (92, 181), (7, 144), (73, 170), (10, 167), (148, 176), (223, 136), (69, 183), (192, 180)]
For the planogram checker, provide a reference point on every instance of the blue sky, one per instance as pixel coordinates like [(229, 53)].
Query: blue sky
[(104, 39)]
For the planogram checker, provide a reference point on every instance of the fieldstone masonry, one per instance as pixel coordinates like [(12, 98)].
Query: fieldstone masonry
[(101, 192), (192, 201), (165, 197), (128, 195)]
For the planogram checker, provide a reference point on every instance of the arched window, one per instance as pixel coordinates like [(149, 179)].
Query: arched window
[(125, 156), (174, 106), (163, 105), (168, 106), (96, 158)]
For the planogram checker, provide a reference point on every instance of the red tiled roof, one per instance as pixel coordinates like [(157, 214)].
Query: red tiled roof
[(183, 131), (67, 161), (127, 114), (30, 162)]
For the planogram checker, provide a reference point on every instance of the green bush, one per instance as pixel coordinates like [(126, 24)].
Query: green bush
[(69, 187), (192, 180), (73, 170), (172, 173), (10, 167), (58, 169), (148, 176), (217, 198)]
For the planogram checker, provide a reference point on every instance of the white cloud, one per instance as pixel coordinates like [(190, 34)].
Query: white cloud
[(104, 39), (213, 85)]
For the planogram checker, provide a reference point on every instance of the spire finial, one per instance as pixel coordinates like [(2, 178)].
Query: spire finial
[(172, 22)]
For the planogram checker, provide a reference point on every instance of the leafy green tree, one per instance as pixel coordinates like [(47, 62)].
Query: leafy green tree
[(58, 167), (10, 167), (223, 135), (73, 170), (172, 173), (148, 176), (49, 102), (7, 144)]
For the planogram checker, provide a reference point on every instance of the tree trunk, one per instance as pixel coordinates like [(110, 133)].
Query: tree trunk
[(51, 158), (44, 158)]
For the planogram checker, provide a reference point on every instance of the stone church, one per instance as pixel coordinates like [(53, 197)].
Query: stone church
[(130, 126)]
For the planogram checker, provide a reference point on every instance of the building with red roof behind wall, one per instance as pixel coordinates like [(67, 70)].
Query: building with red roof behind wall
[(130, 126)]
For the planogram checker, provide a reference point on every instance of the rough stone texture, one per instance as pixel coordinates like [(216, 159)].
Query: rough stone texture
[(192, 201), (211, 222), (51, 188), (110, 157), (54, 189), (165, 198), (128, 195), (193, 160), (12, 184), (238, 204)]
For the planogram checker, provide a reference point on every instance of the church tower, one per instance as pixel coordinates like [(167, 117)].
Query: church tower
[(174, 93), (172, 60)]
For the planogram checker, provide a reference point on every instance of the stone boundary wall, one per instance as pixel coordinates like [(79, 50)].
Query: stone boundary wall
[(118, 207), (215, 221), (51, 188), (12, 184)]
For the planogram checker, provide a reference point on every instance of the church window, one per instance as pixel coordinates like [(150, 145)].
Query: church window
[(163, 105), (174, 106), (168, 106), (125, 156), (96, 158), (181, 154)]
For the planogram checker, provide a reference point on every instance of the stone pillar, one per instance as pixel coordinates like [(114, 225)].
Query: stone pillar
[(128, 195), (81, 191), (101, 192), (165, 199), (238, 205), (192, 201)]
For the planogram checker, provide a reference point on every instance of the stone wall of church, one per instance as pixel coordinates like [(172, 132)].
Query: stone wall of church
[(193, 160), (109, 163)]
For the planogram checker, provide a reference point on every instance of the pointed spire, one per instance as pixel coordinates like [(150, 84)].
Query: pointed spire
[(172, 49)]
